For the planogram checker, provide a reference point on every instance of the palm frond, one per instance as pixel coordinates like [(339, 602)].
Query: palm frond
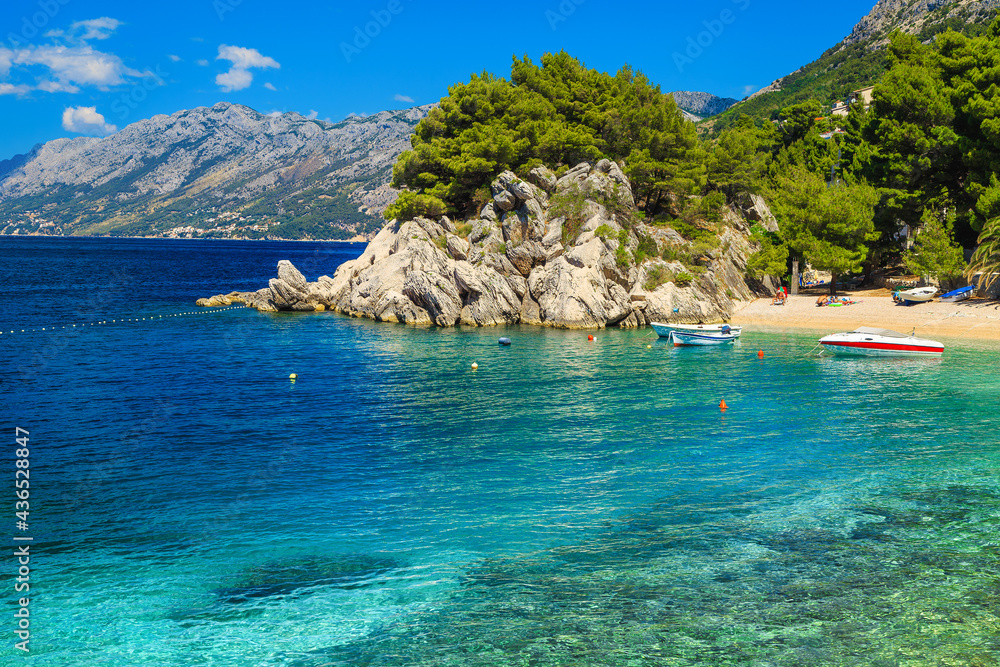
[(985, 260)]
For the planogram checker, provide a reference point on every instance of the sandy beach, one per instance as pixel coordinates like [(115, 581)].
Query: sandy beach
[(970, 319)]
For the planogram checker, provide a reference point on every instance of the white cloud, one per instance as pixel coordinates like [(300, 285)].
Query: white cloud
[(234, 79), (176, 59), (202, 62), (275, 114), (11, 89), (313, 114), (749, 89), (243, 60), (86, 120), (77, 65), (270, 86), (56, 87), (69, 63), (101, 28), (403, 98)]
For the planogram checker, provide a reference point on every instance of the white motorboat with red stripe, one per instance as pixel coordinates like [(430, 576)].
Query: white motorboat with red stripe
[(872, 342)]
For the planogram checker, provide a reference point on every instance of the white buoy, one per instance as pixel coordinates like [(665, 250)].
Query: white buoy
[(475, 365)]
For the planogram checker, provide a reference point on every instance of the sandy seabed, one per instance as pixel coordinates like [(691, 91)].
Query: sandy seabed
[(971, 319)]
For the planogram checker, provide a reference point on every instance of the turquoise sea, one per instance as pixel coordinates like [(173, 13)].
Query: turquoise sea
[(568, 503)]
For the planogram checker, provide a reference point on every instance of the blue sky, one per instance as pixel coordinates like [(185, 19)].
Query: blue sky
[(88, 67)]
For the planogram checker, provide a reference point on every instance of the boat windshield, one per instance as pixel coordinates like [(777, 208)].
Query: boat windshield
[(880, 332)]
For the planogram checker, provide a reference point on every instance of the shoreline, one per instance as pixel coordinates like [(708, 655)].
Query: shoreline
[(171, 238), (977, 319)]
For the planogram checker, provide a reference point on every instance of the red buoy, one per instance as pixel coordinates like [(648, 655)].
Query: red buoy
[(590, 337), (723, 406), (760, 354)]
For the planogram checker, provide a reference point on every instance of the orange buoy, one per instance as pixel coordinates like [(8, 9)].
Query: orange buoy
[(591, 337), (760, 354), (723, 406)]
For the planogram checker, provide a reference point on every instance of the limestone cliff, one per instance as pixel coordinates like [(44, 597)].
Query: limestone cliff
[(525, 260)]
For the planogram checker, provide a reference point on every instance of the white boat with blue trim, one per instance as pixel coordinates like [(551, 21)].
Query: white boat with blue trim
[(960, 294), (664, 330), (724, 335)]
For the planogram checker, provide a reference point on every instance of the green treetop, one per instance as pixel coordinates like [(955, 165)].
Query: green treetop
[(559, 113)]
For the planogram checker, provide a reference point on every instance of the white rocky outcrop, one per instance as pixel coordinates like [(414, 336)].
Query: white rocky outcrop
[(517, 263)]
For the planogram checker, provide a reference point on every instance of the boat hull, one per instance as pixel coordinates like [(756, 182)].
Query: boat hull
[(957, 295), (918, 295), (880, 350), (680, 339)]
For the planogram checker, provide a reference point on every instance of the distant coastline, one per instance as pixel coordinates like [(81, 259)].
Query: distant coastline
[(174, 238)]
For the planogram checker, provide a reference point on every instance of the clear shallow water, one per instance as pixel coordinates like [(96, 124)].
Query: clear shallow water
[(568, 503)]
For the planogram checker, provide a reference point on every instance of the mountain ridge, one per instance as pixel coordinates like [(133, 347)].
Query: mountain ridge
[(913, 16), (859, 59), (701, 105), (186, 170)]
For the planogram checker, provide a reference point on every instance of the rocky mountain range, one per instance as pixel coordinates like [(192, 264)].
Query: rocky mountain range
[(220, 171), (698, 106), (224, 171)]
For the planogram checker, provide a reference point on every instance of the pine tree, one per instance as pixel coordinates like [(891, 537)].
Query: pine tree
[(934, 253), (829, 227)]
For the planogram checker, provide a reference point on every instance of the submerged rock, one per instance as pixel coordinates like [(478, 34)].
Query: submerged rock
[(303, 576)]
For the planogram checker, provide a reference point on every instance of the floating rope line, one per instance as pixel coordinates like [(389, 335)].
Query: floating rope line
[(123, 320)]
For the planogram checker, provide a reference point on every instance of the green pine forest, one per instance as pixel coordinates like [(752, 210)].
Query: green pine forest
[(923, 159)]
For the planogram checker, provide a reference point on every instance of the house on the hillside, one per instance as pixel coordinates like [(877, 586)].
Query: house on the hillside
[(863, 96)]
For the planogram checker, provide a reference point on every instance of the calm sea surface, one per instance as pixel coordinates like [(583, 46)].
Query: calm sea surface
[(569, 503)]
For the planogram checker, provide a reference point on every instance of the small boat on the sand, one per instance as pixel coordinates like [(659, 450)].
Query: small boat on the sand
[(664, 330), (917, 295), (960, 294), (872, 342), (720, 337)]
